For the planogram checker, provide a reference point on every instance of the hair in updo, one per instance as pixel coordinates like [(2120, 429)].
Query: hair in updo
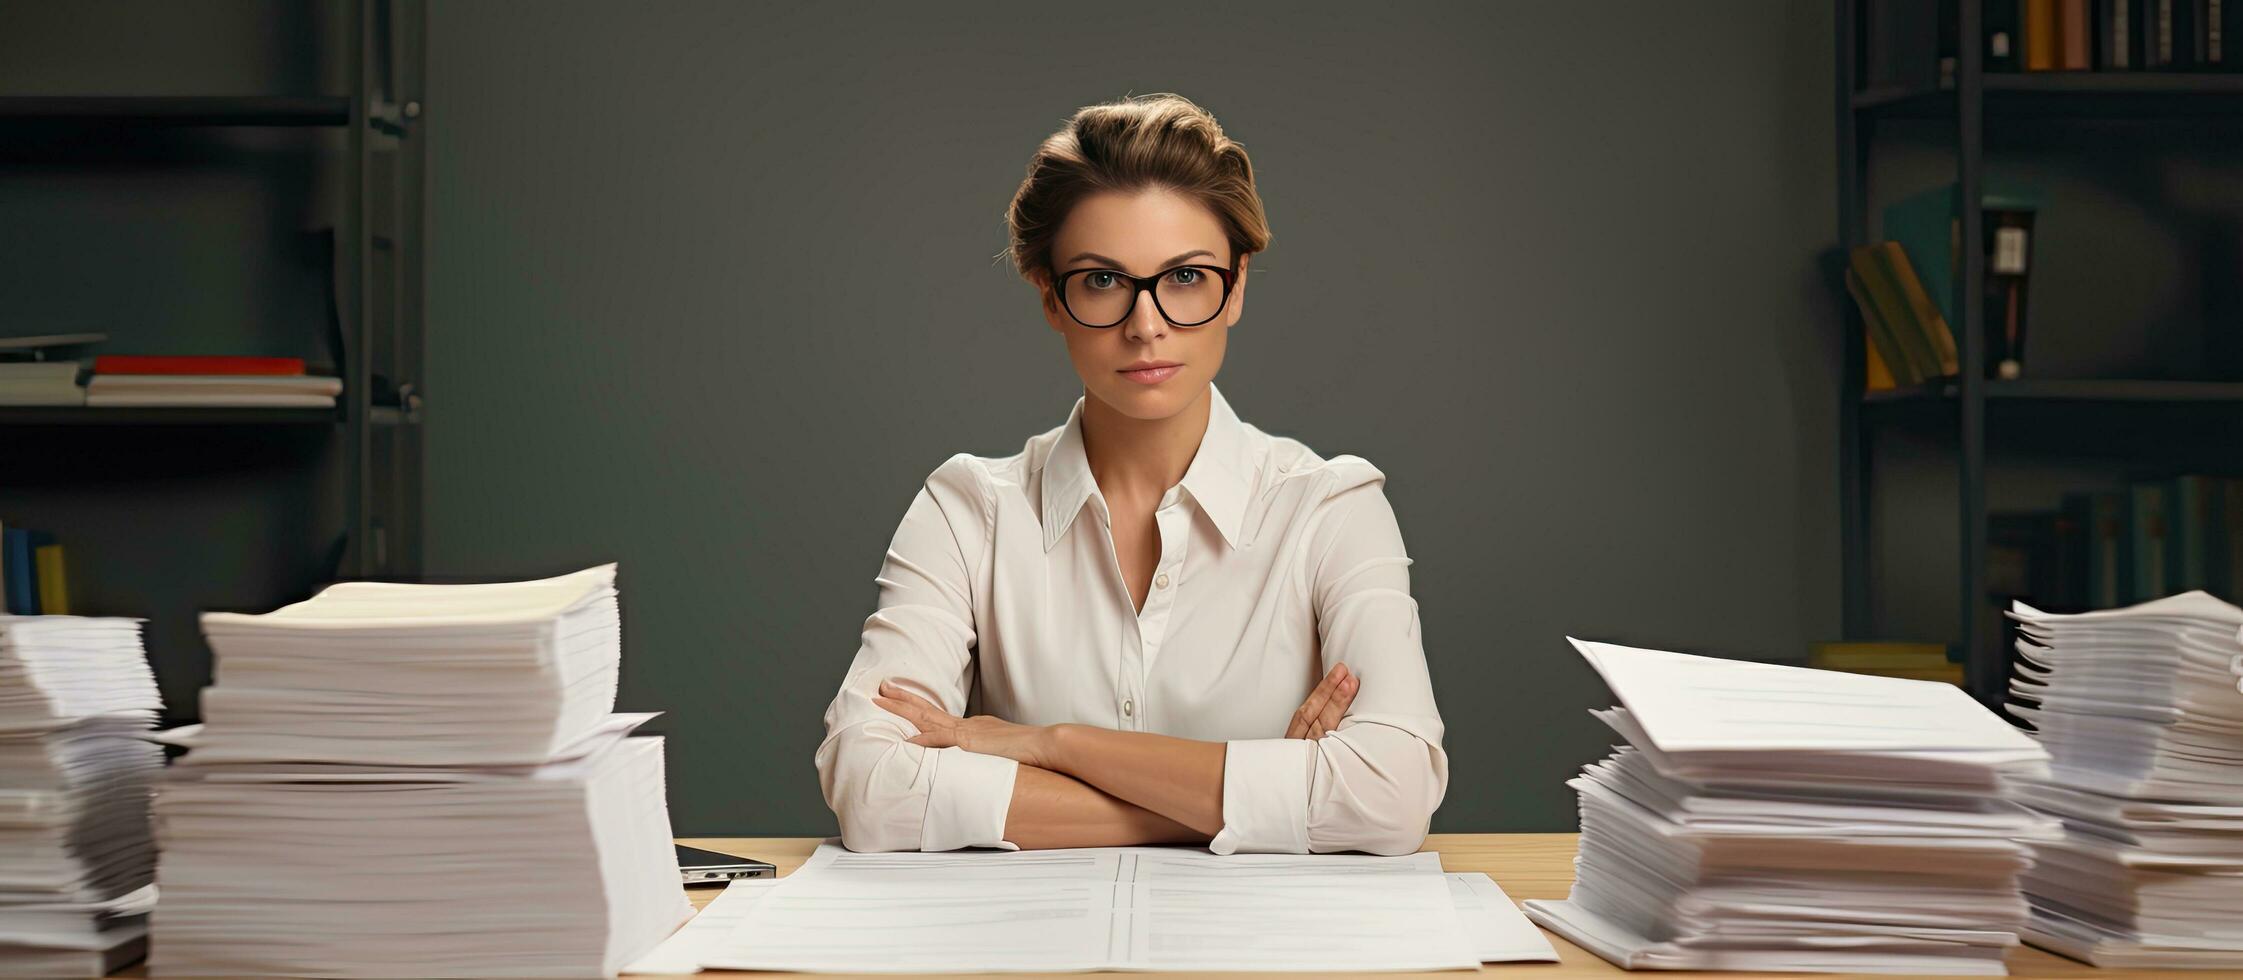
[(1144, 142)]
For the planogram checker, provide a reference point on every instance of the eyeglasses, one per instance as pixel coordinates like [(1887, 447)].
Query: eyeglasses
[(1186, 295)]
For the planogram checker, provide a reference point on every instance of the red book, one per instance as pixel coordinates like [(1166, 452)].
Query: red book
[(143, 364)]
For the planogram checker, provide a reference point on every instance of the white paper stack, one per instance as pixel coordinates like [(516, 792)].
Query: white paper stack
[(213, 390), (2142, 714), (77, 862), (1766, 817), (417, 780), (40, 383)]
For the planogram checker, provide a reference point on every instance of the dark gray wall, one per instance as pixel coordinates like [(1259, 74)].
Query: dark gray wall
[(712, 289)]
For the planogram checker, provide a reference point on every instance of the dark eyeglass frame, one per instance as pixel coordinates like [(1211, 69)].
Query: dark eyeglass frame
[(1142, 284)]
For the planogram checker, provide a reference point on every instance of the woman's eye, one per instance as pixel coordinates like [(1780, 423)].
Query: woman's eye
[(1187, 277), (1101, 280)]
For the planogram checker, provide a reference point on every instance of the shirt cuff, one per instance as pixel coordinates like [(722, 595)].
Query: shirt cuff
[(1265, 796), (967, 799)]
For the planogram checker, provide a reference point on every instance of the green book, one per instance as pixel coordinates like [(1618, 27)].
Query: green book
[(2148, 536), (2109, 583), (1925, 225), (2193, 514)]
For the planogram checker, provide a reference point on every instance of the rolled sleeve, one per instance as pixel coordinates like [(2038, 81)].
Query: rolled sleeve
[(967, 799), (1373, 783), (887, 793), (1265, 796)]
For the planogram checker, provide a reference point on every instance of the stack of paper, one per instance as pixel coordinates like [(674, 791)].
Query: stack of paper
[(1765, 817), (76, 859), (417, 780), (2142, 712), (212, 390)]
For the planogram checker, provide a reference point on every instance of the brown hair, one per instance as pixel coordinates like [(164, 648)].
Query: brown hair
[(1159, 140)]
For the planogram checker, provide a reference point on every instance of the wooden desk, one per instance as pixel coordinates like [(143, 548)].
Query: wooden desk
[(1526, 865)]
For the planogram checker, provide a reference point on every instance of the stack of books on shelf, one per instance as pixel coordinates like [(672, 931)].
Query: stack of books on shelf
[(2108, 548), (1915, 661), (33, 575), (2113, 35), (2141, 710), (235, 382), (1769, 817), (77, 861), (40, 383), (417, 780)]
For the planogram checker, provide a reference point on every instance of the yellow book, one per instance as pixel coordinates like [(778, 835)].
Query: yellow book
[(54, 592), (1880, 377), (1927, 315), (1877, 657)]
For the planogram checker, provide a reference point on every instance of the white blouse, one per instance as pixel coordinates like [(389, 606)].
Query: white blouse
[(998, 597)]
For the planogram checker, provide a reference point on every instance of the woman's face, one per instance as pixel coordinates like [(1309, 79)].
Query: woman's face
[(1144, 234)]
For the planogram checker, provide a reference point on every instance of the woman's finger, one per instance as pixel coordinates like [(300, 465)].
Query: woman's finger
[(896, 691), (1314, 705), (1335, 707)]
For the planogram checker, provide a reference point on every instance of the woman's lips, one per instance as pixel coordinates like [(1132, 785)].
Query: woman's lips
[(1153, 376)]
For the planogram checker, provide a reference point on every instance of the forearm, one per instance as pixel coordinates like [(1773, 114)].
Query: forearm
[(1051, 809), (1178, 778)]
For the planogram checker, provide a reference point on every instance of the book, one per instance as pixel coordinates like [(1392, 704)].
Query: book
[(2147, 538), (195, 364), (1881, 338), (1884, 295), (2109, 572), (54, 591), (2191, 516), (1877, 655), (1879, 376), (1923, 313), (2075, 43), (2114, 34), (2208, 17), (2043, 48), (19, 549), (40, 383)]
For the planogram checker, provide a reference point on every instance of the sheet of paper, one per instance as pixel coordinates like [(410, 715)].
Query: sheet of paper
[(1500, 932), (1690, 703), (1131, 908), (706, 931)]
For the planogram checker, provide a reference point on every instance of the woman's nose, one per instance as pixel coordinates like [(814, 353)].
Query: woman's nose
[(1145, 321)]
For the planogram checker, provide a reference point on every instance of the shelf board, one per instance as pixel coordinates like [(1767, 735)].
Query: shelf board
[(2084, 94), (44, 415), (2080, 390), (178, 110)]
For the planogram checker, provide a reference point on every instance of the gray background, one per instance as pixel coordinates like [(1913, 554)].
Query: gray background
[(713, 287)]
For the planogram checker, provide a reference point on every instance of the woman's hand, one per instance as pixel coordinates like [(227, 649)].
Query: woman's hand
[(1321, 712), (987, 734)]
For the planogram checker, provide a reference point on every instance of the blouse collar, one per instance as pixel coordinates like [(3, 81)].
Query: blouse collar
[(1218, 478)]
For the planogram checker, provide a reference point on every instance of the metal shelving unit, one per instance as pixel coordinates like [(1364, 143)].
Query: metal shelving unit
[(354, 471), (2048, 412)]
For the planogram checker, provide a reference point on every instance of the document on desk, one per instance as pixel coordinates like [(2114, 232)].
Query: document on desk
[(1127, 908)]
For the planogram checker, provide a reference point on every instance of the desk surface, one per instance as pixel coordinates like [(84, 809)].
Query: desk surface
[(1526, 865)]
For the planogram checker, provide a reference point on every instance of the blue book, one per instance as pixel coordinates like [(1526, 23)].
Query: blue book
[(20, 572)]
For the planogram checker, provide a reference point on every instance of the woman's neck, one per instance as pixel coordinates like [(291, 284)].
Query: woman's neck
[(1141, 458)]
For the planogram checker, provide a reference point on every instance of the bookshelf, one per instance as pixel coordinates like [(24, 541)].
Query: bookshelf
[(1975, 424), (167, 512)]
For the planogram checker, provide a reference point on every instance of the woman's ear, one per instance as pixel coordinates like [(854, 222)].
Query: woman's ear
[(1054, 314)]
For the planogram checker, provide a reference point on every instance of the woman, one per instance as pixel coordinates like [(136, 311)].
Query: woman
[(1161, 623)]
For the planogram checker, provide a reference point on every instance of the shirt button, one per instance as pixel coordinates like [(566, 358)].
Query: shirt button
[(1129, 707), (1161, 582)]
